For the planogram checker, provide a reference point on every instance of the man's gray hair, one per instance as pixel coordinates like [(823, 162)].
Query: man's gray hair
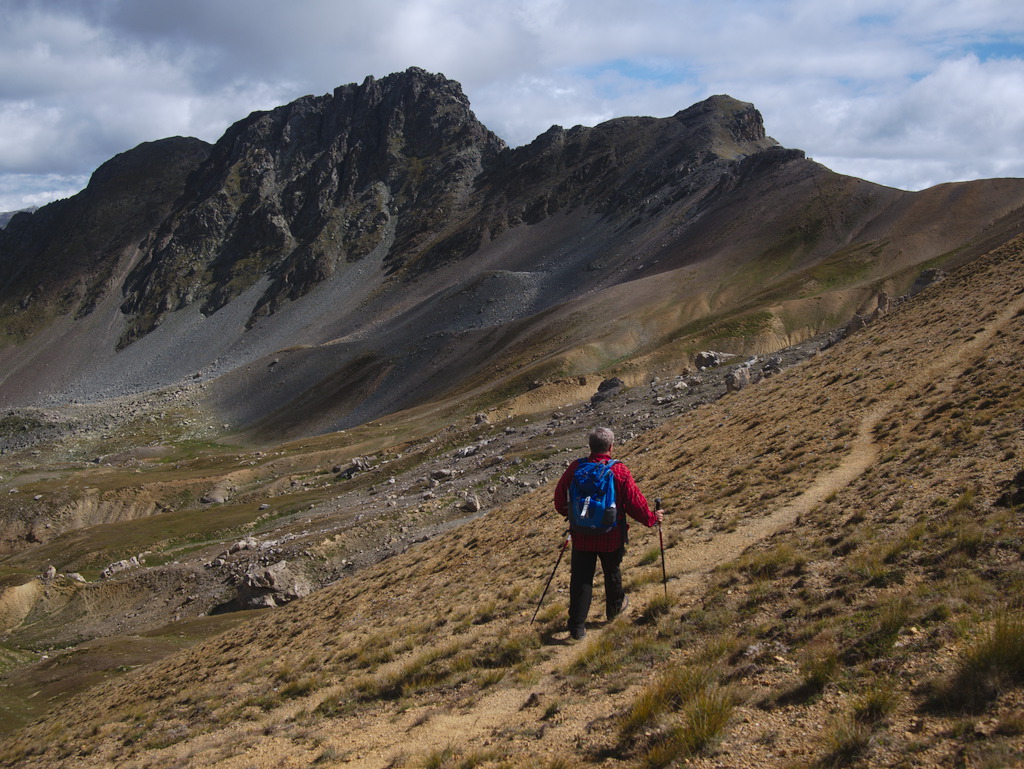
[(601, 440)]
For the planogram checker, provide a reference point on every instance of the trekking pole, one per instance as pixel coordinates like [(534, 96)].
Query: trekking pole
[(661, 539), (561, 552)]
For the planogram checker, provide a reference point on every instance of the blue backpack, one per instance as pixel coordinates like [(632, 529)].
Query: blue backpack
[(592, 498)]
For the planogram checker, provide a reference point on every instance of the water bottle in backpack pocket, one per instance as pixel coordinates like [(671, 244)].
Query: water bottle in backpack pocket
[(592, 507)]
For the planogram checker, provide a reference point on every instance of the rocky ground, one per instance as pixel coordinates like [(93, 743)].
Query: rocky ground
[(360, 510)]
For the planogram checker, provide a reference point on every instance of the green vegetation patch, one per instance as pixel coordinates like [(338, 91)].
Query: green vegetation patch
[(36, 688), (91, 549), (847, 267)]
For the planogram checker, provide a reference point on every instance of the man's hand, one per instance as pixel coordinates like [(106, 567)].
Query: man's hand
[(660, 515)]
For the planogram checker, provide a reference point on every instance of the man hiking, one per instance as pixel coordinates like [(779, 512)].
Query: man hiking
[(581, 498)]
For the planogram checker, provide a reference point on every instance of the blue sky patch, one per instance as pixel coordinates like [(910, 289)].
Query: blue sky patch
[(628, 71), (1007, 48)]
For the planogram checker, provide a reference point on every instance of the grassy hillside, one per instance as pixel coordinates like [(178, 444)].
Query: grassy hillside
[(844, 552)]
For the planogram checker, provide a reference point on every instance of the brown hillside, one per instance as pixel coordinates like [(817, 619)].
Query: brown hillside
[(345, 257), (844, 551)]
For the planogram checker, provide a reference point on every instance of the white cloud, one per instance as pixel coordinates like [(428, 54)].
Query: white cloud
[(905, 93), (18, 191)]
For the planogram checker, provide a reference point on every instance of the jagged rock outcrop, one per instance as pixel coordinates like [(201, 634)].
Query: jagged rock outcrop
[(287, 194), (60, 259), (401, 164), (118, 566)]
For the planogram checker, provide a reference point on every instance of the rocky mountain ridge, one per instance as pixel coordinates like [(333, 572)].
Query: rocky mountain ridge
[(6, 216), (347, 256)]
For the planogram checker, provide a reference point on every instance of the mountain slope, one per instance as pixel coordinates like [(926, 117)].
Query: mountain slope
[(347, 256), (844, 541)]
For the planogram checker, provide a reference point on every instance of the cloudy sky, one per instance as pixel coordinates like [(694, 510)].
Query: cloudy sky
[(907, 93)]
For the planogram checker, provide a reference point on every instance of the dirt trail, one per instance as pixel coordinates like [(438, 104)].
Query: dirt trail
[(421, 730), (502, 709)]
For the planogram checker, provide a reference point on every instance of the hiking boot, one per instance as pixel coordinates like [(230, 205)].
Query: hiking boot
[(577, 633), (622, 609)]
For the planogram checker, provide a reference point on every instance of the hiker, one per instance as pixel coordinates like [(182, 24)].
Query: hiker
[(608, 545)]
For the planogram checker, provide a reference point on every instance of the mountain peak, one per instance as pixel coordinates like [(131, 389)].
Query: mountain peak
[(384, 231)]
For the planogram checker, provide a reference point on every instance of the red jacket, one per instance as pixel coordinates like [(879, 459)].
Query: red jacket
[(627, 497)]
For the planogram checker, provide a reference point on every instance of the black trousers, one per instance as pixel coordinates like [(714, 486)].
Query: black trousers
[(581, 584)]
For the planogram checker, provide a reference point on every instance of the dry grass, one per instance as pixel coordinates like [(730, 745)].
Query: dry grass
[(991, 665), (858, 606)]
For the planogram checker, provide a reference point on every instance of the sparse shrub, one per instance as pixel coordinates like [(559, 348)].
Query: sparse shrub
[(422, 671), (266, 702), (656, 607), (965, 502), (553, 763), (506, 651), (892, 616), (990, 666), (877, 702), (709, 620), (439, 759), (872, 569), (651, 556), (818, 667), (995, 756), (704, 718), (553, 611), (603, 653), (970, 538), (908, 541), (845, 740), (638, 579), (773, 563), (328, 755), (551, 711), (667, 692), (300, 687), (486, 612), (451, 758), (1011, 725), (645, 650)]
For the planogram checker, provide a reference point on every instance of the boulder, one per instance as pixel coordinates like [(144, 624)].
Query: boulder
[(272, 586), (772, 366), (857, 322), (218, 495), (1013, 493), (357, 465), (927, 278), (710, 359), (119, 566), (885, 305), (607, 389), (243, 544), (737, 379)]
